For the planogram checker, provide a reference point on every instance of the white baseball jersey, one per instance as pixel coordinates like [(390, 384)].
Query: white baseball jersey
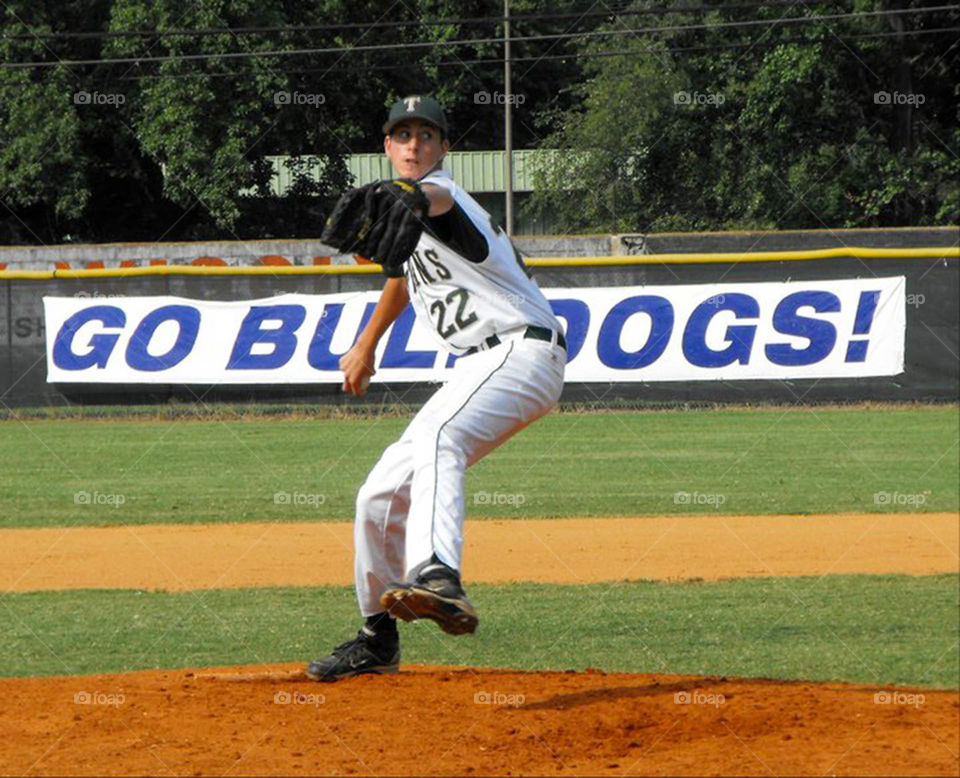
[(465, 301), (467, 285)]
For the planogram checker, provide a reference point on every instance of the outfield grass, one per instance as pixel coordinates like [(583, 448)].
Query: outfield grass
[(868, 629), (592, 464)]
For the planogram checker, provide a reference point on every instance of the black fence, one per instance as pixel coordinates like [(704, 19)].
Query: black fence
[(932, 368)]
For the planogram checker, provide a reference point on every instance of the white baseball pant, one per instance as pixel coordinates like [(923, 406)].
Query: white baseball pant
[(412, 504)]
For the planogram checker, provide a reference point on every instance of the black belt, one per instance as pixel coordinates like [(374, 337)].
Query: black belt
[(532, 332)]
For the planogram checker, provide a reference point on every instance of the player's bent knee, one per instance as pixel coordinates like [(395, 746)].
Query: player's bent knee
[(367, 499)]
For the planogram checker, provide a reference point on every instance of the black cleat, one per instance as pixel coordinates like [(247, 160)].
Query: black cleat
[(434, 593), (361, 655)]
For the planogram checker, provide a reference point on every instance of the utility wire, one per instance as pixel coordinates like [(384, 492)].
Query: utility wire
[(471, 42), (575, 56), (366, 26)]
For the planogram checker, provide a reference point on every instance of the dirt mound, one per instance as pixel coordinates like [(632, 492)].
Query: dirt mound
[(441, 721)]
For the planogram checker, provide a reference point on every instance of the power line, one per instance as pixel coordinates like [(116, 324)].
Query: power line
[(470, 42), (366, 26), (772, 43), (575, 56)]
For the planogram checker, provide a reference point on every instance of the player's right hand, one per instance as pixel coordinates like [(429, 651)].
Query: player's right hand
[(357, 367)]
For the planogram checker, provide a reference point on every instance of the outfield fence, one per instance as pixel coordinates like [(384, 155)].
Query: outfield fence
[(928, 298)]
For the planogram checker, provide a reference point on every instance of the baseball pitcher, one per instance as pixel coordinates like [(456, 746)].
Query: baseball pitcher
[(468, 285)]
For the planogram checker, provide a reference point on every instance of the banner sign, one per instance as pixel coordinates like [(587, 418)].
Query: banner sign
[(785, 330)]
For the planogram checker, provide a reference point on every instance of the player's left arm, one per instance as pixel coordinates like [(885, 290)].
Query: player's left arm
[(441, 201)]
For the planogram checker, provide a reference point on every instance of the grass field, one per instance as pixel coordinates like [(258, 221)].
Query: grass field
[(750, 461), (864, 628), (869, 629)]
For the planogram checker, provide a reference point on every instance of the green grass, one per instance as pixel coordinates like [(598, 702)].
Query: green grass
[(587, 464), (867, 629)]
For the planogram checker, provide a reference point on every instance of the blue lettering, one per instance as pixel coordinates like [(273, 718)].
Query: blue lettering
[(188, 321), (740, 337), (577, 315), (822, 335), (283, 339), (661, 326), (101, 346), (866, 308), (396, 354), (319, 356)]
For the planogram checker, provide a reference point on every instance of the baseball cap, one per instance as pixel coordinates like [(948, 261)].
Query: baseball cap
[(416, 107)]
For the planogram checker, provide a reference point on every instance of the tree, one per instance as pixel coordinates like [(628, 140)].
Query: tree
[(43, 170), (180, 149), (722, 127)]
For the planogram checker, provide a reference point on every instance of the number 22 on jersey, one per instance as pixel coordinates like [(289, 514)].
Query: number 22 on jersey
[(440, 309)]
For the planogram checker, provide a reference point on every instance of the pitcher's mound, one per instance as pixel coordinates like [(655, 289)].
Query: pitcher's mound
[(443, 721)]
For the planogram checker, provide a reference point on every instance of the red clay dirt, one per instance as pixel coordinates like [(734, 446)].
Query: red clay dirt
[(434, 721)]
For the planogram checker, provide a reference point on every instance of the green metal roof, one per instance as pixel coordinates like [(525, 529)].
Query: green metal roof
[(475, 171)]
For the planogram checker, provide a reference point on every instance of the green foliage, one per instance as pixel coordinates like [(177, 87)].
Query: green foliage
[(197, 132), (180, 148), (788, 133), (604, 464), (41, 161), (865, 629)]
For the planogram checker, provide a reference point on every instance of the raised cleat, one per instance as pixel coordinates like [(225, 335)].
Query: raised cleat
[(434, 593)]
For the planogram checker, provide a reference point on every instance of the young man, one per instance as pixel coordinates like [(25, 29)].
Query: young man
[(469, 287)]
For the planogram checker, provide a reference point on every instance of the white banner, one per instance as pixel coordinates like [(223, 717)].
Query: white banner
[(783, 330)]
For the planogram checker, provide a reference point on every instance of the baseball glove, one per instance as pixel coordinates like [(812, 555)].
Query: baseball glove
[(382, 221)]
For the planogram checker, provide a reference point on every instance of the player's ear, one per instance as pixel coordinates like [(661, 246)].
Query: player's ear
[(386, 143), (445, 145)]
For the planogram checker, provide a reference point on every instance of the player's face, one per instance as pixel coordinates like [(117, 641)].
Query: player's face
[(415, 148)]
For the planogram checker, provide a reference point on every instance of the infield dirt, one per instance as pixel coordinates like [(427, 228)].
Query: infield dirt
[(564, 551), (446, 721)]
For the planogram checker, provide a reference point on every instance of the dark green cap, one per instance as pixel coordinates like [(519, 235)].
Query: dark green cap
[(416, 107)]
